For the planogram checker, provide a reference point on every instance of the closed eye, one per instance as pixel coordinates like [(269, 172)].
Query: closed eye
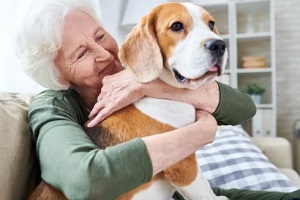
[(82, 53), (99, 38)]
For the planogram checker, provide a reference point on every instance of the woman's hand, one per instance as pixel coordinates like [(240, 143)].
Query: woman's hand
[(210, 127), (121, 89), (163, 148), (118, 91)]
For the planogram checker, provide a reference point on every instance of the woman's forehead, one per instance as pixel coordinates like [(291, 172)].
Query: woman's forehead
[(79, 22), (79, 27)]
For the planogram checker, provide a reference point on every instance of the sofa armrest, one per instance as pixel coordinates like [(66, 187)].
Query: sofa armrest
[(292, 175), (278, 150)]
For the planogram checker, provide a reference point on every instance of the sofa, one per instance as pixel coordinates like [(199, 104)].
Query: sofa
[(19, 173)]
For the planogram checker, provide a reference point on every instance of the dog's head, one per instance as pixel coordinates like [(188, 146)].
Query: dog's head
[(177, 42)]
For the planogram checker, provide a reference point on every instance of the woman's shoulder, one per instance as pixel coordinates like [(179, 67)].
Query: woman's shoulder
[(57, 98), (61, 94), (65, 103)]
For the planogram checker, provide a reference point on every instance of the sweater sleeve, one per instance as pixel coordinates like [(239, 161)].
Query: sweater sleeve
[(72, 163), (235, 106)]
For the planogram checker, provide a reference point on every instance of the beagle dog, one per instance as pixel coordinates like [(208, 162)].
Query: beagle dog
[(179, 44)]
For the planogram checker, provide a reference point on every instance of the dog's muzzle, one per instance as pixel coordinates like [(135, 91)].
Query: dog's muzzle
[(216, 47)]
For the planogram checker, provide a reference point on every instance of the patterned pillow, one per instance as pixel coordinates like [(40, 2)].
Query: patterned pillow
[(233, 161)]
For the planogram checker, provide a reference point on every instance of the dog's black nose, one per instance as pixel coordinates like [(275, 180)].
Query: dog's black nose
[(216, 47)]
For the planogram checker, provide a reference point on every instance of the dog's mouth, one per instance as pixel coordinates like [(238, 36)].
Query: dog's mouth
[(182, 79), (179, 77)]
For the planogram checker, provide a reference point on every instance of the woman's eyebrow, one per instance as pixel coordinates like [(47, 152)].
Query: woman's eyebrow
[(97, 30)]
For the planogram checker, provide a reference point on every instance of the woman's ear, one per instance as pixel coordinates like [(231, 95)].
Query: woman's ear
[(140, 52)]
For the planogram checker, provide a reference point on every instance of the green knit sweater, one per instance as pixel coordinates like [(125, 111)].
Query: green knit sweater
[(70, 161)]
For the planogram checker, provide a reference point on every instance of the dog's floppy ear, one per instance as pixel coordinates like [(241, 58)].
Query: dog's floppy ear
[(140, 52)]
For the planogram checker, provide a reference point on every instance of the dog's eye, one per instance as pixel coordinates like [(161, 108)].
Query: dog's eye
[(177, 26), (211, 25)]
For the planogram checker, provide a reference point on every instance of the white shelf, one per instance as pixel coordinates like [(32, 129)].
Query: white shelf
[(225, 36), (247, 26), (253, 36), (262, 70), (265, 106)]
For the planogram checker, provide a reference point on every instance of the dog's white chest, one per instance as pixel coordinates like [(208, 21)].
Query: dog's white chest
[(159, 190), (176, 114)]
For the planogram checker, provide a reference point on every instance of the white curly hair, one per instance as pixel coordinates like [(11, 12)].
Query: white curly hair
[(39, 34)]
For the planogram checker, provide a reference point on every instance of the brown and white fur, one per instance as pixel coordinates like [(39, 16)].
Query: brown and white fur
[(179, 44)]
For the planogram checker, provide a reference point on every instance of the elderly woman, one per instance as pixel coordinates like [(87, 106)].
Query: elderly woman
[(66, 49)]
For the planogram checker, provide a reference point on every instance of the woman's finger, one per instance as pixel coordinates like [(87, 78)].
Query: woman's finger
[(96, 109), (101, 116)]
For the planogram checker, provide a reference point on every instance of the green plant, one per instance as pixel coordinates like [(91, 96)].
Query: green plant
[(254, 88)]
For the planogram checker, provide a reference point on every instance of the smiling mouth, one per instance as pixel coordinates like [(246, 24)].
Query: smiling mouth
[(108, 69), (182, 79)]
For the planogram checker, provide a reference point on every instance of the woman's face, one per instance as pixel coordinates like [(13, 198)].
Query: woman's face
[(87, 54)]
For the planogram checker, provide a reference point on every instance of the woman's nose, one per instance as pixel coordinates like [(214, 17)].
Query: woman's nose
[(101, 54)]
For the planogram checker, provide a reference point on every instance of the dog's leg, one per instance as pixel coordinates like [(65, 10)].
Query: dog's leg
[(45, 192), (188, 180), (199, 189)]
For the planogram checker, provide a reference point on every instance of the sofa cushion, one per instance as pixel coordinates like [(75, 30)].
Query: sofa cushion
[(19, 170), (233, 161)]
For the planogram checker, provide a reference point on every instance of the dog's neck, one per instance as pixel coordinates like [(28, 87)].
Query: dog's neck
[(174, 113)]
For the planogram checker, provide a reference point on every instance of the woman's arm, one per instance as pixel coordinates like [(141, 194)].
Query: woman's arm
[(228, 105), (167, 148), (72, 163), (235, 106)]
